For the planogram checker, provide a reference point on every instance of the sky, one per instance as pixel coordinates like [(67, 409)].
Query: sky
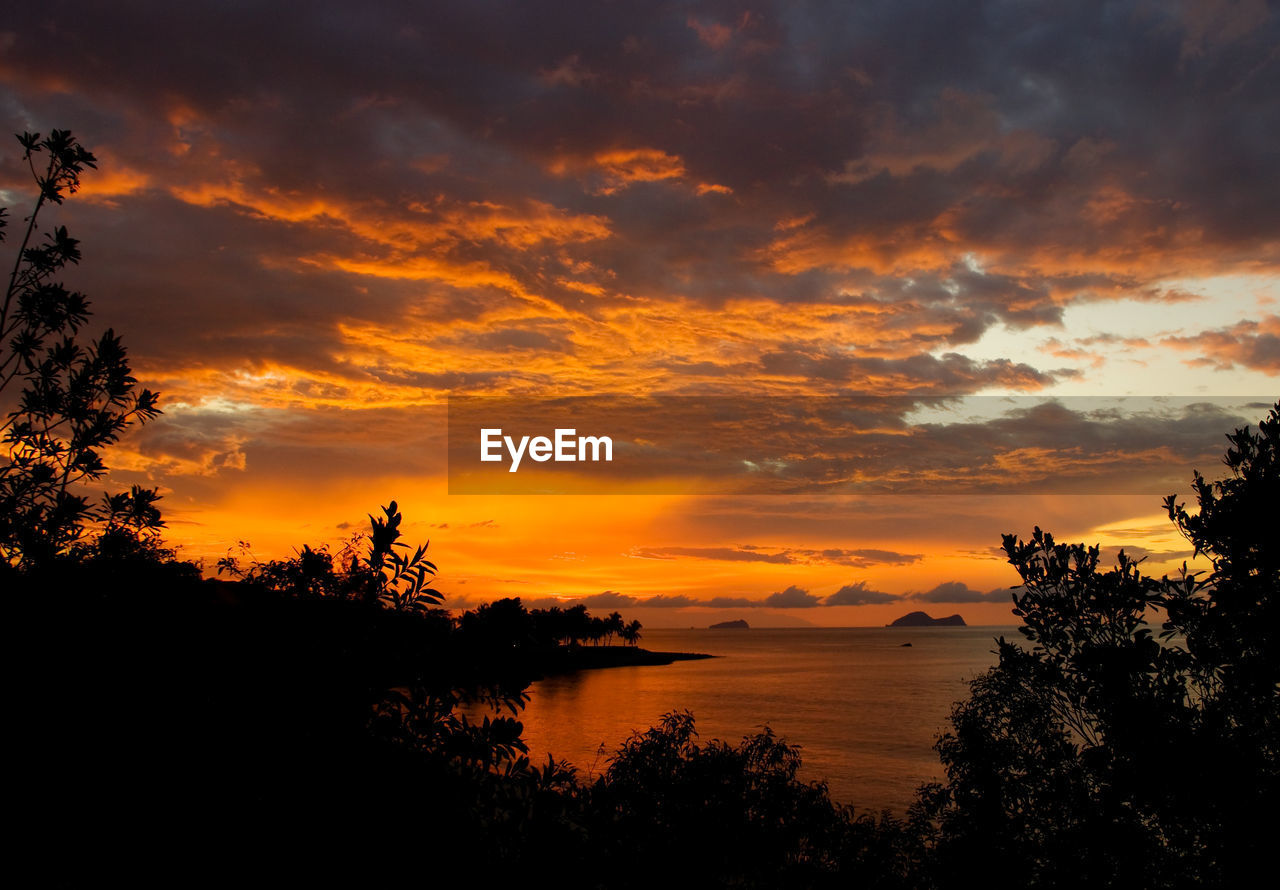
[(314, 223)]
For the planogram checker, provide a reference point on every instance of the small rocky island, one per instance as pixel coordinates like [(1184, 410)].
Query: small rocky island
[(739, 624), (921, 619)]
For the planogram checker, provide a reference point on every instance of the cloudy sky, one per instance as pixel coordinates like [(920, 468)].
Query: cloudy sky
[(314, 222)]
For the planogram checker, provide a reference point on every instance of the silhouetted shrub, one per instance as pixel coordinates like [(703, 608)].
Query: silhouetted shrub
[(721, 815)]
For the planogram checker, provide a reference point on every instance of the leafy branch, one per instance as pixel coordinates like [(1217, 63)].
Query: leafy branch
[(75, 400), (398, 580)]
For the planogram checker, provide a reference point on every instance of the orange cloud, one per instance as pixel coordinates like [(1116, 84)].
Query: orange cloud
[(709, 188), (620, 168), (113, 181), (809, 247), (1251, 344), (712, 34)]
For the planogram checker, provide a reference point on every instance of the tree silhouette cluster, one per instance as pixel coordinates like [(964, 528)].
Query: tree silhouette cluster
[(1134, 738), (378, 575), (356, 575), (507, 619)]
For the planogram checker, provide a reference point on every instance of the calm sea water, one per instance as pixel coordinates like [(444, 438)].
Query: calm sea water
[(864, 709)]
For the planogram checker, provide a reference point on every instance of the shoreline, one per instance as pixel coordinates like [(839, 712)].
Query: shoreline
[(565, 661)]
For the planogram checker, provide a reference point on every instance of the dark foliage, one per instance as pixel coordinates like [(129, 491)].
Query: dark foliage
[(75, 400), (230, 722), (721, 815), (1134, 742), (379, 574)]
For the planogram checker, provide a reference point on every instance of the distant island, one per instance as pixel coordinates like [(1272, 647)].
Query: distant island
[(920, 619), (739, 624)]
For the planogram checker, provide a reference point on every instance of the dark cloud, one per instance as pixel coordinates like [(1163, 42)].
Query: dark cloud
[(800, 155), (792, 598), (609, 599), (858, 594), (959, 592), (523, 339), (728, 554), (859, 558), (731, 602), (664, 601), (869, 556), (952, 373)]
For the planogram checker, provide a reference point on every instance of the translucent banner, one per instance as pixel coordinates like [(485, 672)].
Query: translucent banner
[(838, 445)]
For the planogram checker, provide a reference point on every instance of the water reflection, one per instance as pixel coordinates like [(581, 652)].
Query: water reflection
[(864, 708)]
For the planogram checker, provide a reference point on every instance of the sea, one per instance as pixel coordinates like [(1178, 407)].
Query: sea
[(864, 707)]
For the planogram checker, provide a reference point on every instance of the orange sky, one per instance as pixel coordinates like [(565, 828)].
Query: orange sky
[(313, 231)]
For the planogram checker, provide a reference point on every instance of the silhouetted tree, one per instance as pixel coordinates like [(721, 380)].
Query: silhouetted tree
[(1108, 755), (75, 400), (631, 633), (1231, 619), (613, 626), (577, 624), (501, 624), (314, 572)]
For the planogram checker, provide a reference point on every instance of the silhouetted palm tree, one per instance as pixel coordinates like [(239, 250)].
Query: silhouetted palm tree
[(630, 633)]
